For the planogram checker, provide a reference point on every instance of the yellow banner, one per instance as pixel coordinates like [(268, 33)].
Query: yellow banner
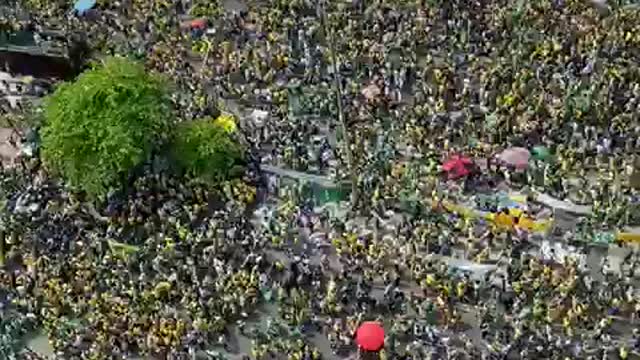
[(502, 220)]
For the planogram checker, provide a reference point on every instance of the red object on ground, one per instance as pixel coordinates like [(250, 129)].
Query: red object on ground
[(370, 336), (198, 23), (457, 166)]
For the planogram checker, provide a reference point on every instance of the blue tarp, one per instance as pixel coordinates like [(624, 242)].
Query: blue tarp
[(83, 5)]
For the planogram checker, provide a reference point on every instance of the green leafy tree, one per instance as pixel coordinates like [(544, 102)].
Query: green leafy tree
[(208, 8), (205, 150), (105, 123)]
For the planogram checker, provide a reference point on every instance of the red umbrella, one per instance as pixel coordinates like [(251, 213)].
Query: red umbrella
[(457, 166), (198, 23), (370, 336)]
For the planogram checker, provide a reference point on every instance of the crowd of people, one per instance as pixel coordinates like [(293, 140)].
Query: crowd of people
[(376, 95)]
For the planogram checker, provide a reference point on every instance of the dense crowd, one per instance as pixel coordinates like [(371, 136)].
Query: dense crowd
[(377, 95)]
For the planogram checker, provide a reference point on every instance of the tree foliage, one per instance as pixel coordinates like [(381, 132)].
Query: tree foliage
[(105, 123), (204, 149), (206, 8)]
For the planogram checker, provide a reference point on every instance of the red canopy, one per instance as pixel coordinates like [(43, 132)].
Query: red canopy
[(370, 336), (457, 166)]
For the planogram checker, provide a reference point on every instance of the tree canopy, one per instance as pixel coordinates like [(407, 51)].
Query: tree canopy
[(106, 122), (206, 149)]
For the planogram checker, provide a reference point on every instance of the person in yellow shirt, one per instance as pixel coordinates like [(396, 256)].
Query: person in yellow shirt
[(461, 289), (623, 353), (566, 324), (503, 220)]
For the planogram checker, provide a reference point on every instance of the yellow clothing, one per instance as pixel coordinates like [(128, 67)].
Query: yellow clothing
[(503, 220)]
